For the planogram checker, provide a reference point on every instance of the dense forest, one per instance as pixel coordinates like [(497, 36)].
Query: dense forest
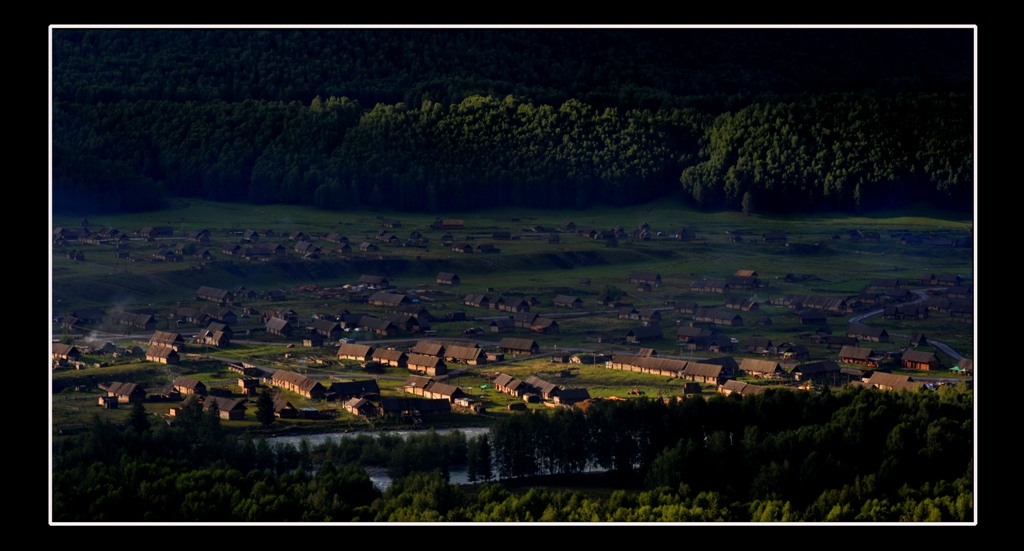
[(852, 455), (427, 119)]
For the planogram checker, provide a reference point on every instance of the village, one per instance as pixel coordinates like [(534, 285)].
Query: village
[(455, 336)]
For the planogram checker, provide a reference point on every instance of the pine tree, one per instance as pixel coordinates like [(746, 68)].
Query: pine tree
[(484, 471), (472, 459), (265, 408), (137, 417)]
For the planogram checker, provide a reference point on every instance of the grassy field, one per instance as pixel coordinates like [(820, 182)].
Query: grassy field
[(527, 267)]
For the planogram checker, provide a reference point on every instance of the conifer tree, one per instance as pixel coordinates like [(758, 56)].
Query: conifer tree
[(137, 417), (265, 408), (484, 471)]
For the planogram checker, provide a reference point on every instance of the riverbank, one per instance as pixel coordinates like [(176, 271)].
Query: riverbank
[(286, 428)]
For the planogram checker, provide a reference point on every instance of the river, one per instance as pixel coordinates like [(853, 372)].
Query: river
[(379, 475)]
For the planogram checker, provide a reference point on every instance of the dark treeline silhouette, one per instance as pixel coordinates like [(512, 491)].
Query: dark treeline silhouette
[(853, 455), (421, 120)]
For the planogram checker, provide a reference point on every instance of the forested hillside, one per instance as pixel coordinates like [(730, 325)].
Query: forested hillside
[(440, 120)]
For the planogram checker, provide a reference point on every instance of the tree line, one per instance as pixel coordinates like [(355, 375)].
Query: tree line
[(797, 154), (854, 455)]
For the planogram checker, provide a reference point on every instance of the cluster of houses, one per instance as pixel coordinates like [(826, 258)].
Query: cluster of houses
[(429, 360), (402, 314), (855, 366), (360, 397), (536, 390), (70, 356), (250, 244), (432, 358), (268, 245)]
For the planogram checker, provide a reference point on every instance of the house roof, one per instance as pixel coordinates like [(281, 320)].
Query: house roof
[(277, 324), (166, 337), (444, 389), (64, 349), (503, 323), (742, 388), (855, 352), (377, 324), (700, 369), (896, 382), (326, 325), (716, 315), (358, 403), (282, 404), (213, 292), (464, 353), (389, 355), (428, 348), (517, 303), (517, 344), (303, 382), (188, 382), (751, 365), (541, 385), (503, 379), (422, 360), (475, 299), (388, 298), (125, 389), (652, 363), (919, 356), (734, 385), (402, 320), (218, 326), (356, 350), (544, 323), (867, 331), (525, 317), (791, 347), (223, 404), (814, 368), (418, 381), (160, 351)]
